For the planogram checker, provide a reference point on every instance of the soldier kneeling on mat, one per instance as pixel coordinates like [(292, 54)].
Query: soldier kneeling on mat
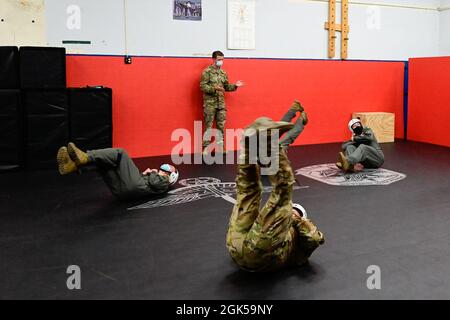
[(279, 234), (118, 171), (362, 151)]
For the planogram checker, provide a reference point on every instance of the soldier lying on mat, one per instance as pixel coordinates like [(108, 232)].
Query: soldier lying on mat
[(279, 234), (362, 151), (118, 171)]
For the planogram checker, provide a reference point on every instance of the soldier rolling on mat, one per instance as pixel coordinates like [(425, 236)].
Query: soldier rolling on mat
[(214, 83), (279, 234), (118, 171), (362, 151)]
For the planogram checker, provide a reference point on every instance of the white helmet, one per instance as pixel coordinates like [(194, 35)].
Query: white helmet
[(300, 210), (172, 171), (352, 122)]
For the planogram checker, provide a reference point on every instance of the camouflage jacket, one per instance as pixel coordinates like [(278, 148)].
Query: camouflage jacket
[(212, 77)]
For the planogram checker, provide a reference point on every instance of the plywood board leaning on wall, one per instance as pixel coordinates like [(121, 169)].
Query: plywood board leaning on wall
[(22, 23), (382, 124)]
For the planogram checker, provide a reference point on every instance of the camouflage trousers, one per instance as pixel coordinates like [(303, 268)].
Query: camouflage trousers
[(211, 113), (270, 238)]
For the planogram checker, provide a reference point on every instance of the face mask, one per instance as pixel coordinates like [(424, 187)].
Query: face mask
[(358, 130), (219, 63)]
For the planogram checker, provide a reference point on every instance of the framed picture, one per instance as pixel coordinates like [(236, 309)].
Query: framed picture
[(187, 10)]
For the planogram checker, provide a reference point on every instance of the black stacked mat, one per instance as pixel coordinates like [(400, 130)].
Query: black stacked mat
[(10, 110), (42, 67), (91, 117), (46, 125), (9, 68), (11, 133), (38, 114)]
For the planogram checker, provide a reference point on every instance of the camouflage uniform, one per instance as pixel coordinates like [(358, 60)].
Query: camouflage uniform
[(270, 238), (214, 101), (364, 149), (123, 177)]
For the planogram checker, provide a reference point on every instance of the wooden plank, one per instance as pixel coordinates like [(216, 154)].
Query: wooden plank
[(345, 29), (331, 28), (382, 124), (337, 26)]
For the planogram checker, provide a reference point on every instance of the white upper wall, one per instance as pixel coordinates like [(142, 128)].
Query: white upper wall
[(444, 28), (100, 21), (444, 4), (402, 33), (393, 30)]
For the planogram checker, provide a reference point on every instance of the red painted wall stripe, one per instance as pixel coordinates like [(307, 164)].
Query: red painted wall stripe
[(154, 96), (429, 100)]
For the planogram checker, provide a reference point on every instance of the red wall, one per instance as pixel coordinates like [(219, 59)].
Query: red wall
[(154, 96), (429, 100)]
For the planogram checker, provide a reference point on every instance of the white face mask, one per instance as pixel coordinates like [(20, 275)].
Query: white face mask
[(219, 63)]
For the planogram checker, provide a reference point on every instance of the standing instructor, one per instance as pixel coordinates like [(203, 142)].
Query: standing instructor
[(214, 84)]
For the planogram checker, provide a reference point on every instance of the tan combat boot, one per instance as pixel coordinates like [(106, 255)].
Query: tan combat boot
[(65, 164), (79, 157), (346, 166), (304, 117), (297, 106)]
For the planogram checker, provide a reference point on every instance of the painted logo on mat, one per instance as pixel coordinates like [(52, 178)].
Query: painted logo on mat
[(328, 173), (196, 189)]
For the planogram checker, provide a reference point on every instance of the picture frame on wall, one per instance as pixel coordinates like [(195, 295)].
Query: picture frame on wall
[(190, 10)]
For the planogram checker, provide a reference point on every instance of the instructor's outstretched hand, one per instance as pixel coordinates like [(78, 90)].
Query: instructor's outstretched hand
[(240, 83)]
